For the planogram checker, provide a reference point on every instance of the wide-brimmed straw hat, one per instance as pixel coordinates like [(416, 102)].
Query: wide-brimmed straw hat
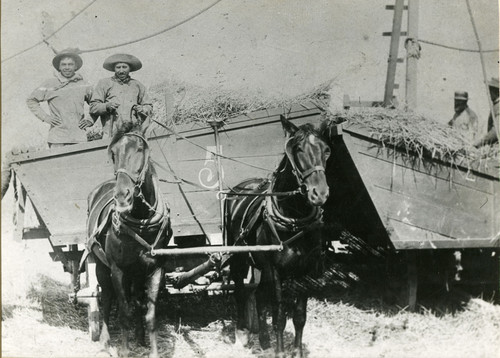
[(69, 52), (462, 95), (134, 63)]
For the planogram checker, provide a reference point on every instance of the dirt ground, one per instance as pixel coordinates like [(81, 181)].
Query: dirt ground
[(39, 321)]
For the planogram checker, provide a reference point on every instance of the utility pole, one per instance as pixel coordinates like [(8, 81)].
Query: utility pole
[(412, 58)]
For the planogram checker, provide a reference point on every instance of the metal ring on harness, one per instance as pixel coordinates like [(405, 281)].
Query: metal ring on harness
[(221, 195)]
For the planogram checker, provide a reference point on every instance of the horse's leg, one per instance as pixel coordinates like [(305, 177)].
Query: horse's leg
[(299, 321), (104, 278), (279, 317), (123, 306), (238, 272), (152, 291), (138, 299), (262, 298)]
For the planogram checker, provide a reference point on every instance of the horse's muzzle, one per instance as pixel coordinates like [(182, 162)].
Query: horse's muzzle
[(124, 200)]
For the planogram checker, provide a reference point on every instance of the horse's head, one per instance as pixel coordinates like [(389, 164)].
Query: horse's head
[(130, 155), (308, 152)]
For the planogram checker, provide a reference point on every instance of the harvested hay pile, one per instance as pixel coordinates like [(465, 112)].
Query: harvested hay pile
[(348, 331), (56, 307), (416, 133), (198, 104)]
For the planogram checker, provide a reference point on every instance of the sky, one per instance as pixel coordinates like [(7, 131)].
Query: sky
[(275, 46)]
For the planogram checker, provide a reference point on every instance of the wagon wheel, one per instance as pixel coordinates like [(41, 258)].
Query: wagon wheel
[(93, 303)]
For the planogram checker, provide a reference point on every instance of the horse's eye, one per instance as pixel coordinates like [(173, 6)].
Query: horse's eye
[(327, 153)]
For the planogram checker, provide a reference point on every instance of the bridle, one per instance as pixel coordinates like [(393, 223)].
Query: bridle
[(158, 221), (139, 180), (301, 176)]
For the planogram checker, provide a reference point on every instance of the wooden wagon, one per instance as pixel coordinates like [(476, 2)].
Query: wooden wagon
[(392, 200)]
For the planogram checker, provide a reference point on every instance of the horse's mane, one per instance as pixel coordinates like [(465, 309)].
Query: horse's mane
[(120, 133)]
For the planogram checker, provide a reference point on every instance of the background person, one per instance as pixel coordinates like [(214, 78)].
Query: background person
[(114, 97), (464, 118), (491, 136), (65, 95)]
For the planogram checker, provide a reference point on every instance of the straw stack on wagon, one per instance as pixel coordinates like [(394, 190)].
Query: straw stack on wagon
[(408, 130)]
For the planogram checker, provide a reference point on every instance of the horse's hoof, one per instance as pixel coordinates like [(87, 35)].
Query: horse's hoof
[(103, 353), (297, 353), (113, 352), (241, 337), (124, 352), (104, 343), (265, 343)]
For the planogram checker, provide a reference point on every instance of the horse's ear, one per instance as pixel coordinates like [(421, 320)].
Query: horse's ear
[(288, 126), (330, 129)]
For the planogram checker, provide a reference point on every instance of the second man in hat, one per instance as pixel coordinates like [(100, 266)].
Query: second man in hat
[(464, 118), (114, 97)]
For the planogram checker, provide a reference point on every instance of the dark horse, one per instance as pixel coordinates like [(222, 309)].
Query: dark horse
[(293, 220), (128, 220)]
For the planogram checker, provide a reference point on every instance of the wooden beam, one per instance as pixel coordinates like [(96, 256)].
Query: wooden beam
[(391, 7), (34, 233), (389, 33), (412, 271), (218, 249), (347, 103), (73, 255), (393, 52), (411, 62), (20, 211)]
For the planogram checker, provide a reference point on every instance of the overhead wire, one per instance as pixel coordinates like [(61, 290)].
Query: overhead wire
[(52, 34), (452, 47), (154, 34)]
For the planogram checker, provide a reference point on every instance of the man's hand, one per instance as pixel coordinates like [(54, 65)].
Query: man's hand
[(53, 121), (144, 111), (112, 106), (85, 123)]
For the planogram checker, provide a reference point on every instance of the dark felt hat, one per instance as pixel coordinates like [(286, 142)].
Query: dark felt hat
[(69, 52), (462, 95), (134, 63)]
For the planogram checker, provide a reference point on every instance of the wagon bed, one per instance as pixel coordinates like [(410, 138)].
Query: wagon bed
[(419, 202), (58, 181)]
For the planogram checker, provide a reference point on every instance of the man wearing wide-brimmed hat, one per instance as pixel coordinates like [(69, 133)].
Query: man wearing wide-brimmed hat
[(65, 95), (114, 97), (464, 118), (491, 136)]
